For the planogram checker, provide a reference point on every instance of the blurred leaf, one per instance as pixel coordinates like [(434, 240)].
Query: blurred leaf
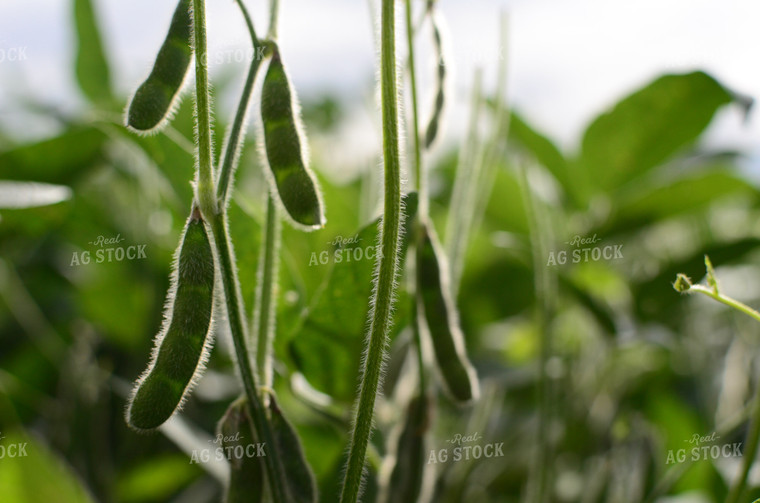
[(646, 128), (156, 479), (650, 204), (544, 151), (328, 345), (93, 74), (31, 194), (38, 475), (57, 160)]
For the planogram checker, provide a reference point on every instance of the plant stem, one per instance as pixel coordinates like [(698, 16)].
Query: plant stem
[(205, 180), (420, 180), (750, 452), (266, 294), (739, 306), (234, 143), (236, 318), (274, 12), (383, 295)]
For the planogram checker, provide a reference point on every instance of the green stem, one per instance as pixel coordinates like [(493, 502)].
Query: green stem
[(420, 180), (234, 143), (750, 452), (236, 318), (274, 12), (266, 294), (205, 178), (388, 262), (739, 306)]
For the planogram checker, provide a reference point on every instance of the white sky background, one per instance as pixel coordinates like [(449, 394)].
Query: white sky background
[(568, 59)]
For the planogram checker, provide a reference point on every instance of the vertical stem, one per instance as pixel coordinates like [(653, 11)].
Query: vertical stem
[(382, 301), (236, 319), (420, 180), (274, 12), (750, 452), (205, 181), (266, 294), (233, 142)]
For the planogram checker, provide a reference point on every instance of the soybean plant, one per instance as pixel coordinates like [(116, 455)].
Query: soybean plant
[(205, 259)]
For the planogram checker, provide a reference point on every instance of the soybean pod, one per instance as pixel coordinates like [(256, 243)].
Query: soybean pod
[(300, 482), (182, 346), (434, 125), (285, 147), (407, 478), (442, 319), (154, 101), (246, 483)]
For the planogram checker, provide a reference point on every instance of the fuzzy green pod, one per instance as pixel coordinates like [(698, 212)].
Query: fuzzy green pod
[(182, 345), (407, 478), (442, 319), (432, 131), (152, 105), (247, 480), (286, 149), (301, 485)]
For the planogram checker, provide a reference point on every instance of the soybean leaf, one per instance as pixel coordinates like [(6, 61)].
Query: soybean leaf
[(544, 151), (646, 128), (38, 475), (92, 71), (680, 196), (57, 160), (327, 345)]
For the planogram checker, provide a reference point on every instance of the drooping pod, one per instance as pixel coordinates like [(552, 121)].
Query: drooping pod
[(442, 319), (247, 480), (407, 478), (153, 103), (182, 346), (301, 485), (434, 125), (284, 144)]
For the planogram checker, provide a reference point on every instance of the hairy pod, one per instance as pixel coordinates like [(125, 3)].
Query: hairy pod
[(182, 345), (432, 131), (286, 149), (301, 484), (155, 99), (407, 478), (442, 319), (247, 480)]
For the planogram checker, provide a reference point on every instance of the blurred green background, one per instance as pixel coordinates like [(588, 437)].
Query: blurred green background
[(635, 370)]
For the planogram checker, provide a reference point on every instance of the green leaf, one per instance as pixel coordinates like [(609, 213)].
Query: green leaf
[(683, 195), (156, 479), (543, 150), (648, 127), (57, 160), (38, 475), (327, 347), (93, 74)]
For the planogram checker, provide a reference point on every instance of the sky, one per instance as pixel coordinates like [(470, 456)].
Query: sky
[(568, 60)]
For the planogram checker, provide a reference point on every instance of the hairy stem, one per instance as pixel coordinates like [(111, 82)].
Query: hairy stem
[(266, 294), (274, 12), (205, 179), (234, 142), (388, 261), (236, 319)]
